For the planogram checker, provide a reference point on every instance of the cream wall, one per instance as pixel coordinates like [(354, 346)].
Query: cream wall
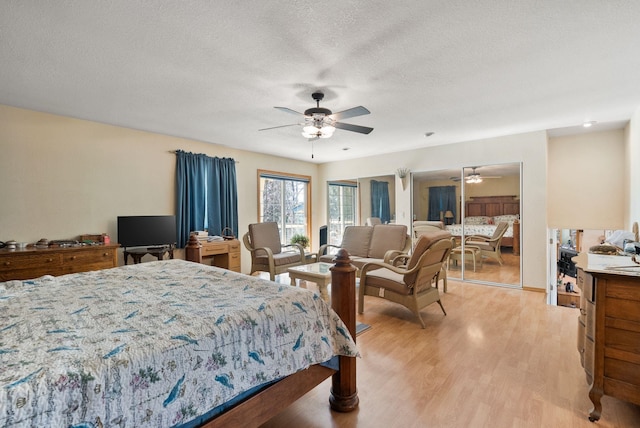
[(530, 149), (62, 177), (632, 176), (585, 181)]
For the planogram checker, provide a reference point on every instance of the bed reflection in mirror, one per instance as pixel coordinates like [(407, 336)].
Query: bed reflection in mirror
[(480, 206)]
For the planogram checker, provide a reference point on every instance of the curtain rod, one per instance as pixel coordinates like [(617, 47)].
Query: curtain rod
[(174, 152)]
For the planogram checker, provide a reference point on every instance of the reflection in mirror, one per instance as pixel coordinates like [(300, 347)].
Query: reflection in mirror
[(377, 198), (484, 196), (491, 224), (342, 205)]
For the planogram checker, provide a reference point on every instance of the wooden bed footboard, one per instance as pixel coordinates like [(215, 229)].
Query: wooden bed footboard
[(264, 405)]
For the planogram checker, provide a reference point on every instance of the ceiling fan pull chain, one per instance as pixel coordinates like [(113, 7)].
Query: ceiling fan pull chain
[(312, 149)]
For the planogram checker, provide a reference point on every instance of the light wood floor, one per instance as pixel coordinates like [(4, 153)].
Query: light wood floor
[(500, 358)]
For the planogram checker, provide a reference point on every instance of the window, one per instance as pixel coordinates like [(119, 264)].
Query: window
[(342, 208), (285, 199)]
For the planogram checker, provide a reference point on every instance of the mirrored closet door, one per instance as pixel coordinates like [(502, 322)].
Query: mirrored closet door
[(480, 206)]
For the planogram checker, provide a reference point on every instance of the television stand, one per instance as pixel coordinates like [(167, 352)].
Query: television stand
[(138, 253)]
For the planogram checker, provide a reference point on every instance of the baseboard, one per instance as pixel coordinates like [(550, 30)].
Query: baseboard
[(535, 289)]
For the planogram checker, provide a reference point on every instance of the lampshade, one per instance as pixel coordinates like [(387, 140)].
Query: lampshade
[(448, 214), (318, 130)]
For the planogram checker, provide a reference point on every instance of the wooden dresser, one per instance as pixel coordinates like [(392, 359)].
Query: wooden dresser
[(224, 254), (609, 333), (35, 262)]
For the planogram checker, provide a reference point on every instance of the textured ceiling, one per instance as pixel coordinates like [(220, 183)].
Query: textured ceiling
[(213, 71)]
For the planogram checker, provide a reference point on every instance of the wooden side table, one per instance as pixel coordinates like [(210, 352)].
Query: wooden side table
[(138, 253)]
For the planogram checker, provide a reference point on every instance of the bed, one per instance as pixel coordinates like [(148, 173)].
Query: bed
[(483, 213), (166, 343), (484, 225)]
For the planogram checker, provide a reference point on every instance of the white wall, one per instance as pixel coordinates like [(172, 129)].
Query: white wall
[(62, 177), (585, 181), (530, 149)]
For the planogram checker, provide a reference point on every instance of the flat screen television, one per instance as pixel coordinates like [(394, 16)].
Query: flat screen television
[(146, 230)]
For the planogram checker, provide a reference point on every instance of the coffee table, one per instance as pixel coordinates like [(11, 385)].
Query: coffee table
[(314, 272), (470, 252)]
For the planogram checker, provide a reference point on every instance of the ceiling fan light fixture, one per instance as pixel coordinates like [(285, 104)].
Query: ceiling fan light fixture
[(310, 129), (473, 179), (328, 129)]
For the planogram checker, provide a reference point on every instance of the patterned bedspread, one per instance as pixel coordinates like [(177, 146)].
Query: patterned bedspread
[(477, 229), (153, 344)]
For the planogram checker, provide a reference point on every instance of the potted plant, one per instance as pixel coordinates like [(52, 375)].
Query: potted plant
[(301, 239)]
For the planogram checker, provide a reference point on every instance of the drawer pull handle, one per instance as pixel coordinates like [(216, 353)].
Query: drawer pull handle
[(7, 263), (105, 254), (73, 257), (49, 260)]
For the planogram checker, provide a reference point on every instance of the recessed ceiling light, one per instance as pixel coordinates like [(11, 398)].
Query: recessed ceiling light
[(428, 134), (589, 124)]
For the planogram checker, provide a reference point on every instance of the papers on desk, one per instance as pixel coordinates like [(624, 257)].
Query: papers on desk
[(602, 261)]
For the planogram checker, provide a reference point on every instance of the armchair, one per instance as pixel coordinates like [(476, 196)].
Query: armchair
[(489, 245), (263, 242), (411, 285)]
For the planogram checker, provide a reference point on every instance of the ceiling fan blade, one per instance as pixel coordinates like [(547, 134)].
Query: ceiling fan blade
[(354, 128), (281, 126), (288, 110), (352, 112)]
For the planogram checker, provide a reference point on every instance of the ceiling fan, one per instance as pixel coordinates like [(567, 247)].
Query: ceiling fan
[(319, 122), (474, 177)]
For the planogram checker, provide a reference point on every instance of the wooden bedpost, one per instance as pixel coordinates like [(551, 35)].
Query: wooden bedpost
[(344, 393), (193, 249)]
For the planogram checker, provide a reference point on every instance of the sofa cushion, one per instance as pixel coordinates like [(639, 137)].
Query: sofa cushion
[(385, 278), (265, 235), (356, 240), (281, 259), (387, 237)]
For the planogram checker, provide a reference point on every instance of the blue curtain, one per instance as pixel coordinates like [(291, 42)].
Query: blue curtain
[(441, 199), (206, 195), (380, 206)]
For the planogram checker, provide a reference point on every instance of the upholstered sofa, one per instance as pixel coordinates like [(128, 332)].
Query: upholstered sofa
[(364, 244)]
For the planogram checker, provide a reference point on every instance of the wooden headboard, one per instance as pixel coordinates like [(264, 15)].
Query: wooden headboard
[(492, 206)]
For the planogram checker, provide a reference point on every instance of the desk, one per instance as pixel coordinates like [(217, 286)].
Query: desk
[(319, 273), (138, 253), (224, 254)]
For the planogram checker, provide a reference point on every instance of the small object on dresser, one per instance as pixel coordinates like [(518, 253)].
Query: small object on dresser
[(42, 243), (11, 245), (227, 233)]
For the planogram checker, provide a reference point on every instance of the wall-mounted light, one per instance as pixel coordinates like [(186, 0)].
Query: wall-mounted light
[(403, 175)]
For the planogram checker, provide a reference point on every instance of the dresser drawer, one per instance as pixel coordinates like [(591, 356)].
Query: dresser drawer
[(35, 262), (590, 319), (581, 337), (29, 265), (589, 352), (210, 249), (82, 261), (234, 262), (584, 281), (96, 256)]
